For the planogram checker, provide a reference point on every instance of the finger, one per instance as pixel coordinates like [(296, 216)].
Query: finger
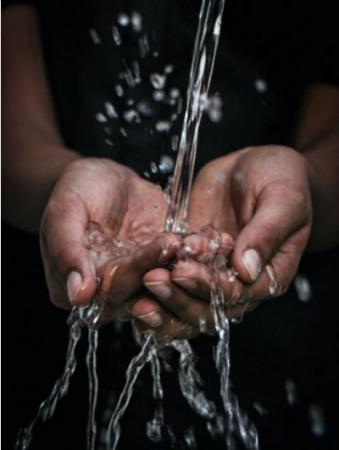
[(203, 246), (194, 277), (190, 310), (151, 316), (70, 272), (280, 212), (121, 278)]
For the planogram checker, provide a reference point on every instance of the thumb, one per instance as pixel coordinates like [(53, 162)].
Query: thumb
[(279, 213), (70, 272)]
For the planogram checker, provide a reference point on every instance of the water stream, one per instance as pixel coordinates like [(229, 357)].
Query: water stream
[(60, 389)]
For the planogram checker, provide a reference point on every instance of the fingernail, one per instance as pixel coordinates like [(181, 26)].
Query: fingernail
[(159, 289), (252, 262), (153, 319), (186, 283), (74, 283)]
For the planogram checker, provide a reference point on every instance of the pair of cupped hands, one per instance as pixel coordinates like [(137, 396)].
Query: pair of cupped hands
[(258, 199)]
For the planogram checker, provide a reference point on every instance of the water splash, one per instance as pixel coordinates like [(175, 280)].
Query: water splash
[(190, 381)]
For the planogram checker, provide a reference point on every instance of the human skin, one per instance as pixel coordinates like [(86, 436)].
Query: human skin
[(42, 174)]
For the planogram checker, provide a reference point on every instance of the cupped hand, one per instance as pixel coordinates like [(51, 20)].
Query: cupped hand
[(261, 197), (99, 214)]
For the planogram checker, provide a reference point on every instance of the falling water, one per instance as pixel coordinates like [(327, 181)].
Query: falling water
[(133, 371), (60, 389), (91, 361), (238, 424), (205, 48), (155, 427)]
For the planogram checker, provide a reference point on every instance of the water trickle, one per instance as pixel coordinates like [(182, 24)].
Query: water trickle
[(155, 427), (190, 381), (60, 389), (134, 368), (91, 361)]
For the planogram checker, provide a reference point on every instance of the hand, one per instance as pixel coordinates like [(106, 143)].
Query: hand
[(261, 196), (99, 214)]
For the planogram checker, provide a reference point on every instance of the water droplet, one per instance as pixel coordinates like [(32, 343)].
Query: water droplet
[(157, 80), (291, 392), (100, 118), (116, 36), (318, 424), (131, 116), (123, 132), (162, 126), (156, 207), (154, 167), (260, 409), (175, 142), (214, 108), (136, 70), (143, 46), (166, 164), (123, 19), (119, 90), (110, 110), (136, 21), (156, 54), (168, 69), (273, 284), (146, 174), (189, 438), (145, 109), (174, 93), (303, 288), (159, 96), (202, 325), (260, 85), (109, 142), (95, 37)]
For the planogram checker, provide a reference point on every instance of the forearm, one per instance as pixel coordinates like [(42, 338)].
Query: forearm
[(323, 158), (28, 181), (34, 155)]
